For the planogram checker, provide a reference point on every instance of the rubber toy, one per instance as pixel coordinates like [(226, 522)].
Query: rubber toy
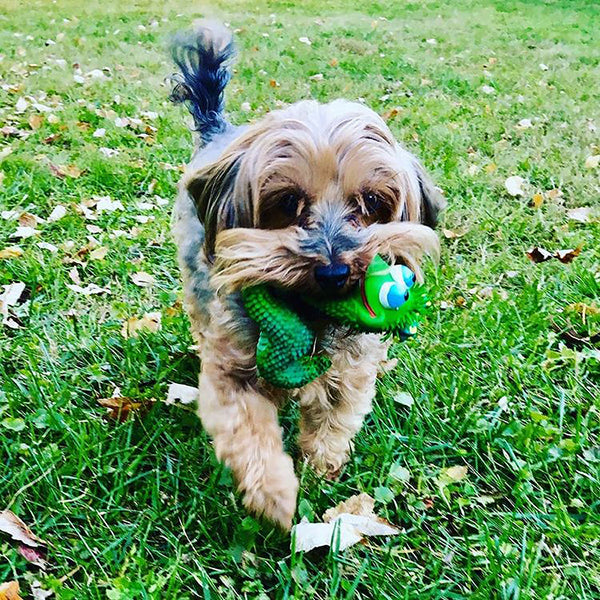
[(385, 301)]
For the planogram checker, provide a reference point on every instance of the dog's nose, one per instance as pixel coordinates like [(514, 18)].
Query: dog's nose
[(332, 277)]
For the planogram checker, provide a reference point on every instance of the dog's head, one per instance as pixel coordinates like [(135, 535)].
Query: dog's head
[(305, 198)]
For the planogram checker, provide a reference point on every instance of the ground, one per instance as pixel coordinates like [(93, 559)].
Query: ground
[(483, 446)]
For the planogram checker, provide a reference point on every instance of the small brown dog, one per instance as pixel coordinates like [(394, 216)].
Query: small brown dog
[(301, 200)]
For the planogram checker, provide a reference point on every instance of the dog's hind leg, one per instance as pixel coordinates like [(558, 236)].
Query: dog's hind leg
[(334, 406)]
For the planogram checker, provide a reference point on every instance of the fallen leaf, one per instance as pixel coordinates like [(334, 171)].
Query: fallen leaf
[(567, 256), (491, 168), (47, 246), (581, 214), (21, 105), (514, 185), (11, 252), (404, 398), (27, 219), (592, 162), (342, 529), (17, 530), (360, 504), (584, 309), (120, 407), (488, 89), (9, 591), (62, 171), (58, 212), (35, 121), (36, 556), (456, 473), (449, 234), (537, 200), (105, 203), (178, 393), (148, 322), (388, 115), (305, 40), (89, 290), (524, 124), (538, 255), (38, 592), (99, 253), (142, 279)]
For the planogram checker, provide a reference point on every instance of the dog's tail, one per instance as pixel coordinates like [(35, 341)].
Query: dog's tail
[(202, 56)]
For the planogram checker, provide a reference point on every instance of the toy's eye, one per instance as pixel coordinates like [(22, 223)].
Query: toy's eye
[(402, 274), (393, 295), (372, 201)]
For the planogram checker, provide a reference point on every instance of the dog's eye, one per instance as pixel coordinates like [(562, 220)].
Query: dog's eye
[(372, 201), (289, 203)]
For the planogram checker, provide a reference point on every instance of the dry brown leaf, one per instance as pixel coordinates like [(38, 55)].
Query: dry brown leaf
[(11, 252), (334, 62), (36, 556), (142, 279), (121, 408), (449, 234), (18, 531), (35, 121), (491, 168), (27, 219), (389, 114), (538, 255), (10, 591), (568, 256), (149, 322), (62, 171), (360, 504)]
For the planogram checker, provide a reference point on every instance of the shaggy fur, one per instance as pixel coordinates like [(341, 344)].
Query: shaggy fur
[(308, 186)]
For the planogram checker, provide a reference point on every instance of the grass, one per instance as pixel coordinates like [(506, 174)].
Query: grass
[(141, 509)]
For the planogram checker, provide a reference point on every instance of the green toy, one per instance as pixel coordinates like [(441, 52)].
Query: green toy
[(386, 301)]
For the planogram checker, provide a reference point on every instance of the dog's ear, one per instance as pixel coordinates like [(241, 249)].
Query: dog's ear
[(432, 201), (221, 203)]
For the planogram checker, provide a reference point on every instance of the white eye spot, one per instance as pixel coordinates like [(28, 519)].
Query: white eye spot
[(401, 274), (393, 295)]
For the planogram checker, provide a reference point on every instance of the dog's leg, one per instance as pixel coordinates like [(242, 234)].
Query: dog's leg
[(333, 407), (247, 438)]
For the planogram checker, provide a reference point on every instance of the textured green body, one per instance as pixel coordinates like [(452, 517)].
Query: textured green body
[(285, 350)]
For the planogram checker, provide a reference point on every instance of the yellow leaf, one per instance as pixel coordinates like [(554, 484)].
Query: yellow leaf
[(537, 200), (11, 252), (456, 473), (99, 253), (10, 591), (149, 322), (36, 121)]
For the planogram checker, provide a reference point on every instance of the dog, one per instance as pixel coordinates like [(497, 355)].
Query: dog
[(301, 201)]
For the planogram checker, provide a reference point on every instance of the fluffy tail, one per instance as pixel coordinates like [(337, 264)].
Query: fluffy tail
[(202, 56)]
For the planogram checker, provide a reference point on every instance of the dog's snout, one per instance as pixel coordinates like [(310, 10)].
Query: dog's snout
[(332, 277)]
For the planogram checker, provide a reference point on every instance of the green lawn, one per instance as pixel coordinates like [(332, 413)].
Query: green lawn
[(504, 378)]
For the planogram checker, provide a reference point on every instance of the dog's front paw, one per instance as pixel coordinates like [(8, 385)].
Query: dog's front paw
[(273, 493)]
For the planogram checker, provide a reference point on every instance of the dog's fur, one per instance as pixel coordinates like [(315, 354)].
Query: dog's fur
[(308, 185)]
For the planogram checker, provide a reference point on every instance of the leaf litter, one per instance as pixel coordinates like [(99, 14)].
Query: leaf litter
[(343, 526)]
